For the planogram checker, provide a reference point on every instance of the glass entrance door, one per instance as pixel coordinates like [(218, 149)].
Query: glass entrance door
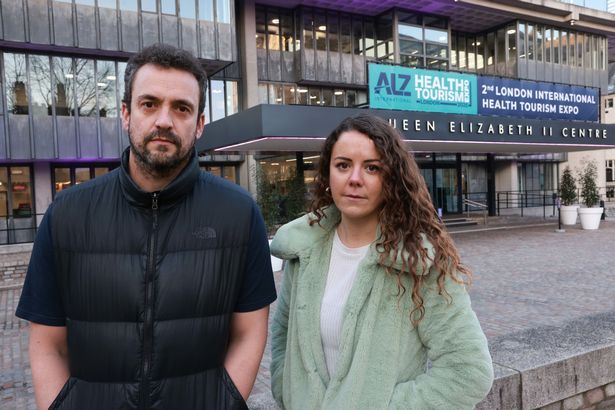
[(442, 185)]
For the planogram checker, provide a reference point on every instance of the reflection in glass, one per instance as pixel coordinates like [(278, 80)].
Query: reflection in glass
[(149, 5), (85, 86), (273, 31), (187, 9), (287, 32), (168, 7), (109, 4), (228, 172), (63, 85), (289, 94), (332, 22), (21, 192), (320, 24), (82, 175), (121, 69), (232, 97), (260, 28), (217, 100), (314, 96), (327, 97), (40, 89), (357, 37), (345, 28), (436, 36), (223, 11), (16, 83), (4, 199), (308, 31), (564, 47), (105, 83), (206, 10), (129, 5), (556, 46)]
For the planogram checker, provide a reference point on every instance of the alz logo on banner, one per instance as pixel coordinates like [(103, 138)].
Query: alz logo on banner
[(393, 84)]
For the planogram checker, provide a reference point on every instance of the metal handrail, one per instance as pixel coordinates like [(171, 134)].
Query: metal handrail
[(468, 203)]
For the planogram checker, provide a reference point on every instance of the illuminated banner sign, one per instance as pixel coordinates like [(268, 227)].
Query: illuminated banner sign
[(403, 88), (530, 99)]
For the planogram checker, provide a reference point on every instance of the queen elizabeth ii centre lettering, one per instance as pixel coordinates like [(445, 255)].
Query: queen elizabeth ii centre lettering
[(402, 88)]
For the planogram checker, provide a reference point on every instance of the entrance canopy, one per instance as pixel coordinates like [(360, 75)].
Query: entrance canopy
[(304, 128)]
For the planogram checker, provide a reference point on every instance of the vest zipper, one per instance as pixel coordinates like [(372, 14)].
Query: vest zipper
[(148, 322)]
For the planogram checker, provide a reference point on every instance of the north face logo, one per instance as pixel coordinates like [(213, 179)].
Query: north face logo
[(205, 232)]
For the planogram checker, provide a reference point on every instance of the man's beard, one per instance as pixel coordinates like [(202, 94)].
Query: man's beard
[(155, 164)]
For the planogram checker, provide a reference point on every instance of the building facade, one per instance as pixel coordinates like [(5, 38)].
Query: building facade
[(282, 68)]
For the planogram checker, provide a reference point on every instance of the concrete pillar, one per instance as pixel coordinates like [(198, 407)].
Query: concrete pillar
[(42, 188)]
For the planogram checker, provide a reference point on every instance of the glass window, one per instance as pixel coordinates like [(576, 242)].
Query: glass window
[(580, 39), (262, 94), (85, 87), (556, 46), (232, 97), (461, 53), (564, 47), (276, 94), (412, 47), (327, 97), (168, 7), (149, 5), (345, 29), (206, 10), (63, 86), (538, 33), (308, 31), (217, 99), (490, 50), (289, 94), (121, 69), (361, 97), (40, 89), (522, 40), (4, 184), (471, 53), (82, 175), (530, 41), (286, 24), (16, 83), (436, 36), (511, 33), (332, 29), (314, 96), (187, 9), (106, 85), (572, 49), (228, 172), (21, 192), (320, 24), (436, 50), (357, 37), (411, 60), (85, 2), (100, 171), (223, 11), (548, 44), (351, 98), (261, 32), (273, 31), (437, 64), (410, 32), (338, 98), (110, 4), (302, 96), (454, 63), (370, 40), (129, 5)]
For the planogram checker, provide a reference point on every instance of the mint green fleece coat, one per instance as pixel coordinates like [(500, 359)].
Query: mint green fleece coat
[(382, 357)]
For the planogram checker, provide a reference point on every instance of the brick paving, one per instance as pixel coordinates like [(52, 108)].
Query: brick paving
[(523, 278)]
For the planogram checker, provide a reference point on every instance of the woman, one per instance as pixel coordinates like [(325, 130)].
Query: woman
[(373, 289)]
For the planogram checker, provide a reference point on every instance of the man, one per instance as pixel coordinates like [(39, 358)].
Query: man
[(150, 287)]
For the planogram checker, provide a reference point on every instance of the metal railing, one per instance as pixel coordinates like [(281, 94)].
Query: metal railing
[(467, 203)]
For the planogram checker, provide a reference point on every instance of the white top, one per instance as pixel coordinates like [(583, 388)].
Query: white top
[(342, 273)]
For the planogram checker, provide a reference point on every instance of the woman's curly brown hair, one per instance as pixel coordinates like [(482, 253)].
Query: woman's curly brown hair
[(407, 203)]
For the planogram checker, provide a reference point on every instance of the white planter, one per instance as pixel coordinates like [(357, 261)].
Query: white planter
[(569, 214), (590, 217)]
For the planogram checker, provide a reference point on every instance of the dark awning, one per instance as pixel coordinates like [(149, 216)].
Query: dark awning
[(304, 128)]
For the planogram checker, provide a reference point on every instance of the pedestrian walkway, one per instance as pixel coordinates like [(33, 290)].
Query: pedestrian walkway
[(525, 277)]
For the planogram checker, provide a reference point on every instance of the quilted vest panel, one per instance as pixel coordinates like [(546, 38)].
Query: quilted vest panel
[(117, 264)]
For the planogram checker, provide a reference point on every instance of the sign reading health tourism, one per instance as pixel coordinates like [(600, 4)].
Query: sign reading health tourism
[(529, 99), (403, 88)]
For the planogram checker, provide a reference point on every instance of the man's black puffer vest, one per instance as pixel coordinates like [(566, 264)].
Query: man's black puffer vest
[(149, 283)]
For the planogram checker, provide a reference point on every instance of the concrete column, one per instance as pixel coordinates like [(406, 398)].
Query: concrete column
[(42, 188), (247, 50)]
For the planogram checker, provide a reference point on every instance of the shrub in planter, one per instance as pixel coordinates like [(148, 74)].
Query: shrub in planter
[(568, 195), (590, 216)]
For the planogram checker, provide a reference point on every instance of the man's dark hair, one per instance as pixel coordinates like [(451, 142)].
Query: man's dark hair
[(166, 56)]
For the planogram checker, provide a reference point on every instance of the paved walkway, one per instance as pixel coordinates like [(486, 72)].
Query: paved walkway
[(523, 278)]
